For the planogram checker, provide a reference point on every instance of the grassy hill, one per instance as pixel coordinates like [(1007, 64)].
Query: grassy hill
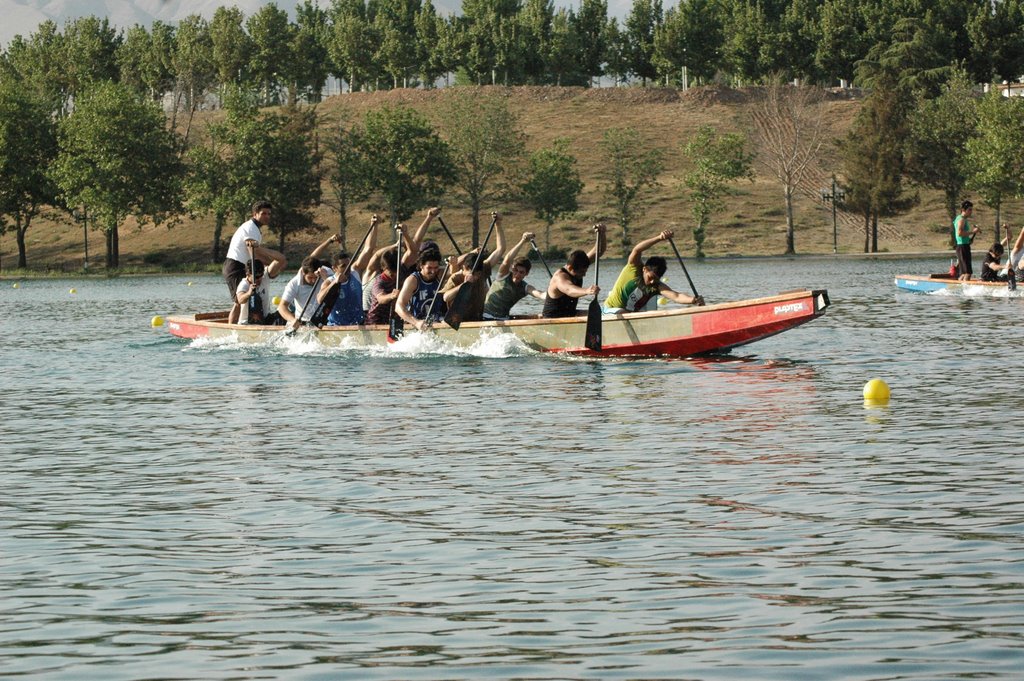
[(752, 224)]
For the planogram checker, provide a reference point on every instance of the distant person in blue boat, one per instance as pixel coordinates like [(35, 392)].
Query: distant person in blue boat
[(991, 266), (254, 297), (639, 284), (416, 303), (566, 286), (248, 235), (511, 286), (964, 234), (300, 289)]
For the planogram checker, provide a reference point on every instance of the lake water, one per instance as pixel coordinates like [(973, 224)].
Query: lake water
[(177, 511)]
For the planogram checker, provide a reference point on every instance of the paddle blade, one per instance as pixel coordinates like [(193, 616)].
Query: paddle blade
[(396, 328), (457, 311), (593, 340), (1011, 279)]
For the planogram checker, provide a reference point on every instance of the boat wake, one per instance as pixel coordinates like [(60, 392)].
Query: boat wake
[(413, 344)]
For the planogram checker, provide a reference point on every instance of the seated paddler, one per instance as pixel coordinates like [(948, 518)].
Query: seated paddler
[(639, 284), (511, 286), (566, 286)]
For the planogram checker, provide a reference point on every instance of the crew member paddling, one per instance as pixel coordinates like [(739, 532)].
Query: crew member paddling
[(566, 286), (639, 284), (418, 291)]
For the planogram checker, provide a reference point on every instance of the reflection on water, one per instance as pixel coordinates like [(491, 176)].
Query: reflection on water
[(192, 511)]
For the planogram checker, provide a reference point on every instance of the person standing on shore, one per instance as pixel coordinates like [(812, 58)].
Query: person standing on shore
[(248, 236), (964, 235)]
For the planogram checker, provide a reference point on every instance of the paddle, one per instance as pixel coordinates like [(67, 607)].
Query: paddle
[(457, 310), (446, 231), (593, 338), (252, 268), (541, 256), (325, 306), (396, 325), (683, 265), (309, 298), (1011, 274)]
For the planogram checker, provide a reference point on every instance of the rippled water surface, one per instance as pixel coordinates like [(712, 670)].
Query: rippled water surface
[(177, 511)]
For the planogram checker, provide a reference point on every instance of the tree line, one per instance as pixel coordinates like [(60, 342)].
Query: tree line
[(374, 44)]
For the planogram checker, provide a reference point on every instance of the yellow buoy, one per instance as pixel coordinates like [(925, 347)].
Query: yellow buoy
[(156, 321), (276, 300), (73, 291), (190, 283), (15, 285), (876, 390)]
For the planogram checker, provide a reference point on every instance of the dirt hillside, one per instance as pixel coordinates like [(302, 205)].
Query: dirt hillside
[(753, 222)]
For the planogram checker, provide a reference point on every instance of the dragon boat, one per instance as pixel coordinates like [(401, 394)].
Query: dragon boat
[(943, 283), (679, 332)]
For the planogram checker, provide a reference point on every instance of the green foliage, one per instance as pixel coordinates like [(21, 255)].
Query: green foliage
[(939, 131), (271, 40), (631, 165), (193, 60), (348, 170), (28, 145), (232, 46), (407, 163), (118, 159), (487, 145), (873, 158), (553, 184), (995, 156), (641, 23), (716, 160), (689, 36)]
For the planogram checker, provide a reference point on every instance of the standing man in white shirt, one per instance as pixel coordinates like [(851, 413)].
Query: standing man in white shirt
[(249, 235)]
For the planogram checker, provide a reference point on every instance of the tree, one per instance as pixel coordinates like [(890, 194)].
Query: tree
[(487, 144), (789, 123), (118, 159), (348, 171), (590, 25), (552, 187), (145, 60), (232, 47), (996, 41), (691, 37), (28, 145), (939, 130), (872, 154), (716, 160), (641, 23), (271, 55), (307, 70), (38, 64), (409, 164), (395, 22), (995, 156), (351, 44), (89, 54), (842, 39), (563, 51), (630, 166), (193, 61)]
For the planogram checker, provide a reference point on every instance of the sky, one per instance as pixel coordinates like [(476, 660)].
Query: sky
[(23, 16)]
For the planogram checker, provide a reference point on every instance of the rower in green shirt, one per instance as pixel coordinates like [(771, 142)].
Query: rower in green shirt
[(639, 284)]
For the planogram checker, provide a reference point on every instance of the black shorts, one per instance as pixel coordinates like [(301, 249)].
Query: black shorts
[(234, 273), (963, 256)]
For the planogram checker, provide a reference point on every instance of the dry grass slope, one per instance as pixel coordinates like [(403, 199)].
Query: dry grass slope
[(752, 224)]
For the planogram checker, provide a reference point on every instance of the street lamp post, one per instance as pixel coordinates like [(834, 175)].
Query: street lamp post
[(833, 195), (83, 217)]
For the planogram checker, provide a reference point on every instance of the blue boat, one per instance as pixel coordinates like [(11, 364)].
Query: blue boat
[(944, 284)]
